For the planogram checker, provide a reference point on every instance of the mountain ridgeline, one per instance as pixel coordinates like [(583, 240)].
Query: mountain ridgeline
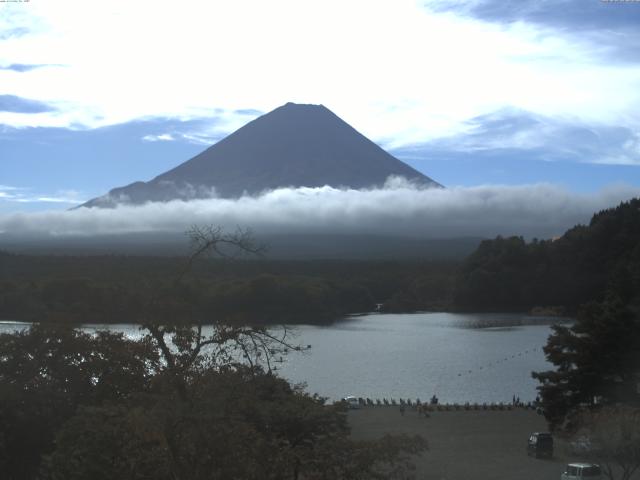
[(583, 265), (292, 146)]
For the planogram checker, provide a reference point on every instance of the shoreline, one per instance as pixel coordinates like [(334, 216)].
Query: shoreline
[(344, 317)]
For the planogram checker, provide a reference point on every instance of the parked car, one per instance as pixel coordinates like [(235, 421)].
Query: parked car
[(352, 402), (540, 444), (578, 471)]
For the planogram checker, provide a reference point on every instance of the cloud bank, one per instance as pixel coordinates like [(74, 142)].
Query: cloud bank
[(531, 55), (541, 210)]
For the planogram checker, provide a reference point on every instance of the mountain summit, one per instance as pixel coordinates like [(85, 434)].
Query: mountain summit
[(292, 146)]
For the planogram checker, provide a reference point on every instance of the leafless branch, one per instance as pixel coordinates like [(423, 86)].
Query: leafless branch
[(184, 346)]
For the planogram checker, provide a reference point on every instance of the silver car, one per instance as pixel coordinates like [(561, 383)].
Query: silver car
[(578, 471)]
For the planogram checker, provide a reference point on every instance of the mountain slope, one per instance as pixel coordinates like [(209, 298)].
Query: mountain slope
[(294, 145)]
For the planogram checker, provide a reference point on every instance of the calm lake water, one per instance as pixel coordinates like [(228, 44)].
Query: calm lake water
[(458, 357)]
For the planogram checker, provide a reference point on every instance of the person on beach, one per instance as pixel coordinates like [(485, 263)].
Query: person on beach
[(402, 409)]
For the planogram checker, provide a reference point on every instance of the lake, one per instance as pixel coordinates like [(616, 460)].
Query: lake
[(458, 357)]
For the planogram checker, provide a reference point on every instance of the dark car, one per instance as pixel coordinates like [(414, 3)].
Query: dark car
[(540, 445)]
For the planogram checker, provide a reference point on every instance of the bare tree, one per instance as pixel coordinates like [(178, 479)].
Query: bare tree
[(613, 439), (188, 340)]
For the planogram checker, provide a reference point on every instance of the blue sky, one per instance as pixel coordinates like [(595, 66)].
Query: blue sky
[(95, 95)]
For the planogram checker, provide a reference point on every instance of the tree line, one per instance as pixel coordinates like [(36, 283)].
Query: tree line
[(503, 274), (114, 289), (593, 391), (261, 299), (581, 266)]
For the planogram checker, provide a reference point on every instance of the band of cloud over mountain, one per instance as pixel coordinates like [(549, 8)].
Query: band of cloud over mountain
[(398, 209)]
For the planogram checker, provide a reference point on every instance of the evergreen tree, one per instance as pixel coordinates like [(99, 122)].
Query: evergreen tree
[(597, 360)]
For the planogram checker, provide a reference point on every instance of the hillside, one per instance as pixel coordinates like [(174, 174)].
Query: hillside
[(582, 265)]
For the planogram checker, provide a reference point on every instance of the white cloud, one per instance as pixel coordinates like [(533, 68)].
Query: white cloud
[(164, 137), (540, 210), (25, 195), (8, 192), (397, 71), (45, 199)]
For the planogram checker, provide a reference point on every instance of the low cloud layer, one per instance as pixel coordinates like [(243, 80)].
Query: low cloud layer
[(541, 210)]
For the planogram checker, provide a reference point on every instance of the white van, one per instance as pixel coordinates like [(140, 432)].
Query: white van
[(578, 471)]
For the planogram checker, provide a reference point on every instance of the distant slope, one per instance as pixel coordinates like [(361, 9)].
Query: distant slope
[(285, 246), (292, 146), (582, 265)]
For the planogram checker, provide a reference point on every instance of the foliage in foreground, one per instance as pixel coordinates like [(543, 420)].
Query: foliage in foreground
[(598, 357), (77, 406)]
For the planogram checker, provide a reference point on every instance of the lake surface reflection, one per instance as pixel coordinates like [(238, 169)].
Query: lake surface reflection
[(458, 357)]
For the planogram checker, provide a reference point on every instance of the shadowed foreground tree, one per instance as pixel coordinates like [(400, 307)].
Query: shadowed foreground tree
[(186, 401), (237, 424), (47, 372), (597, 357)]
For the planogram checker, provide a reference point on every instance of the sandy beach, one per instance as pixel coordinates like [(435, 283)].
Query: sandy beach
[(467, 445)]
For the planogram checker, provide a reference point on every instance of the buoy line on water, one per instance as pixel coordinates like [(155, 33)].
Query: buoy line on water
[(493, 364)]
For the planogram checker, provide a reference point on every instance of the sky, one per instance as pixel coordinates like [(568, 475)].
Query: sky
[(481, 95)]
